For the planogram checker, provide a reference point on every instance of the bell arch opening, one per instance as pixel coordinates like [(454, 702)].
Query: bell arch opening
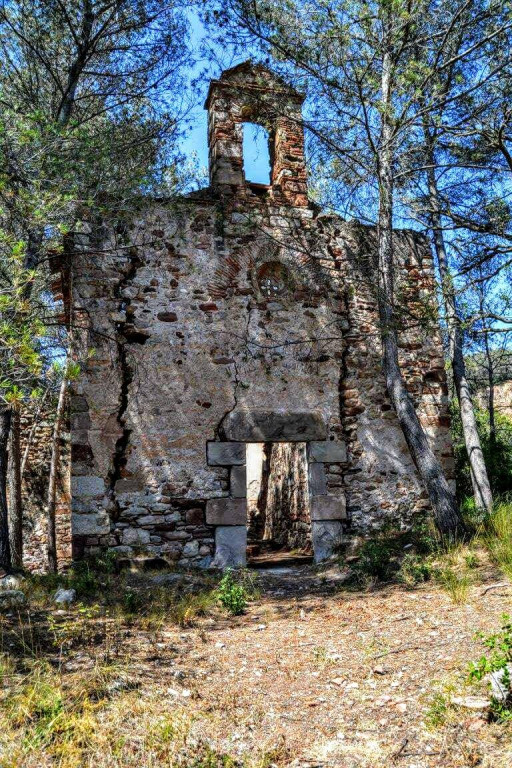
[(256, 154)]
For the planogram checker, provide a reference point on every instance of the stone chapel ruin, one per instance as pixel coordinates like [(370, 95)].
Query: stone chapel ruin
[(235, 399)]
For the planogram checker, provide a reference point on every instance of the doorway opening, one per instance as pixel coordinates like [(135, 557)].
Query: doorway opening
[(278, 506)]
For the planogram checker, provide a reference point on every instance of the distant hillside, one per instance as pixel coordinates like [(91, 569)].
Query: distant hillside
[(502, 398)]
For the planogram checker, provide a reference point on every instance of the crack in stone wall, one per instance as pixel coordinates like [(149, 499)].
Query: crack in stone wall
[(119, 458)]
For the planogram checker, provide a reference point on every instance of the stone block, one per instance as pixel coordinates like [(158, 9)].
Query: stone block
[(193, 516), (225, 454), (230, 546), (87, 485), (238, 486), (317, 481), (134, 536), (191, 548), (95, 524), (328, 508), (226, 512), (327, 536), (261, 426), (130, 485), (327, 451)]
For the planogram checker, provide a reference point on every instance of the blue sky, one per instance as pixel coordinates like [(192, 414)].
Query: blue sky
[(195, 142)]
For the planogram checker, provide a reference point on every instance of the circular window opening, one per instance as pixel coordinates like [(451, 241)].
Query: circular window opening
[(272, 279)]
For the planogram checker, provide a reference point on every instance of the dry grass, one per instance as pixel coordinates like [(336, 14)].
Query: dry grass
[(497, 536), (148, 673)]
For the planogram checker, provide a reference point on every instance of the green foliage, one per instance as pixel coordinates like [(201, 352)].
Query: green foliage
[(497, 454), (414, 569), (437, 711), (500, 645), (499, 658), (402, 555), (377, 559), (84, 579), (497, 535), (231, 594)]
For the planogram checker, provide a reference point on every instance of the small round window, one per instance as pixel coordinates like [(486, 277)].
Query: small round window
[(272, 279)]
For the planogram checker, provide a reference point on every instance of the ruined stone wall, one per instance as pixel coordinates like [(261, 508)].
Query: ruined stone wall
[(381, 482), (36, 432), (242, 314), (184, 335), (199, 341)]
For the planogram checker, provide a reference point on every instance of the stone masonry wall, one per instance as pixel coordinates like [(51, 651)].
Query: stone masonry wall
[(36, 433), (242, 314)]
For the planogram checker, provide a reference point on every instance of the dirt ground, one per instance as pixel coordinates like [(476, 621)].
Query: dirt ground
[(316, 675), (326, 677)]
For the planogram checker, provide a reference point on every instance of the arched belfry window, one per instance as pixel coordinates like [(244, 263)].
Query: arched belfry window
[(256, 154)]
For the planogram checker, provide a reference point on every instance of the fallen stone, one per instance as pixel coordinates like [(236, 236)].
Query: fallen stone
[(471, 702), (12, 598), (11, 581), (500, 686), (64, 596)]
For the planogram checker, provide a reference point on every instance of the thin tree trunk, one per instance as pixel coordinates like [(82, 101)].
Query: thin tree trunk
[(444, 505), (15, 499), (5, 426), (479, 478), (490, 397), (52, 482)]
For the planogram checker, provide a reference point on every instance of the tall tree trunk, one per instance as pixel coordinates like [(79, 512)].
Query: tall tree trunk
[(490, 396), (52, 482), (444, 505), (479, 478), (15, 500), (5, 426)]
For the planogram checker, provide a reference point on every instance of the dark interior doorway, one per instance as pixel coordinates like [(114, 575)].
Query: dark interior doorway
[(278, 508)]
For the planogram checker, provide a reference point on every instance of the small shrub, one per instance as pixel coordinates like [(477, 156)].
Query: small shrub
[(232, 595), (377, 560), (471, 560), (424, 536), (414, 570), (437, 711), (132, 602), (84, 580), (191, 606), (455, 584)]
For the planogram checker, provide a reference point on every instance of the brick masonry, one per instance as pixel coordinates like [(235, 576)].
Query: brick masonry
[(239, 312)]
